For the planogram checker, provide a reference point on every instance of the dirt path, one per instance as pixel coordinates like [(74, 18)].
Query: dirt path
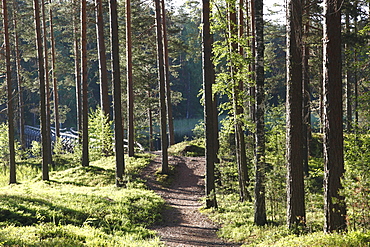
[(183, 224)]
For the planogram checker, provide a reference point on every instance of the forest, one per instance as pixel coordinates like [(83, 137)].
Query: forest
[(272, 100)]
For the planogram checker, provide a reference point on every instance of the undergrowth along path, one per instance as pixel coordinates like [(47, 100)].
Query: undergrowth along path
[(183, 224)]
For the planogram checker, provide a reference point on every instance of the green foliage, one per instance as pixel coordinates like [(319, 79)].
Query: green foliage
[(100, 135), (81, 207), (356, 181), (192, 148), (4, 145)]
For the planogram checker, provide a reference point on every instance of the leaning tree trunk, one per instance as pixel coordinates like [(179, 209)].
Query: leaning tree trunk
[(118, 123), (162, 90), (259, 189), (210, 124), (294, 137), (334, 207), (41, 72), (10, 105)]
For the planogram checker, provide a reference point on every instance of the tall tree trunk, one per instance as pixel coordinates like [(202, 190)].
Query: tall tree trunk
[(117, 104), (241, 157), (162, 90), (348, 86), (77, 69), (47, 84), (41, 72), (10, 105), (252, 88), (171, 132), (294, 137), (150, 117), (306, 111), (53, 75), (210, 128), (259, 190), (85, 106), (19, 77), (335, 207), (103, 72), (130, 86)]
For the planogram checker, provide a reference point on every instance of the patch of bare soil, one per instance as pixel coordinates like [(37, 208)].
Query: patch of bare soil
[(183, 224)]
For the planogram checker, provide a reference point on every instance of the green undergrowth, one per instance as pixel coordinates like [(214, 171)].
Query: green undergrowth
[(236, 219), (80, 206), (193, 148)]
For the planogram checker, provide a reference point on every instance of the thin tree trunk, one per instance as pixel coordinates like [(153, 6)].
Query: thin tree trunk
[(167, 77), (77, 70), (348, 77), (150, 117), (294, 137), (130, 86), (117, 104), (259, 191), (103, 72), (47, 84), (85, 110), (19, 78), (53, 75), (10, 105), (41, 72), (335, 207), (210, 130), (162, 90)]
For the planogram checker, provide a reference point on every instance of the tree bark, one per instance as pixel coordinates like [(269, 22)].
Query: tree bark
[(77, 70), (103, 72), (19, 78), (171, 134), (259, 191), (41, 72), (162, 90), (117, 104), (210, 130), (294, 137), (130, 86), (10, 100), (85, 106), (53, 75), (306, 111), (335, 207), (47, 82)]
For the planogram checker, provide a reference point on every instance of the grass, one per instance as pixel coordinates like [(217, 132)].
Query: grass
[(80, 206)]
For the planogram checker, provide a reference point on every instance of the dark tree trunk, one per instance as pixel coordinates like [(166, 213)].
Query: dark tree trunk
[(210, 125), (294, 137), (171, 134), (130, 87), (85, 106), (47, 84), (54, 78), (335, 207), (150, 117), (10, 105), (118, 123), (259, 190), (41, 72), (162, 89)]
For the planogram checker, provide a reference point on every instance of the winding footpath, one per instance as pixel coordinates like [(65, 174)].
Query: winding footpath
[(183, 224)]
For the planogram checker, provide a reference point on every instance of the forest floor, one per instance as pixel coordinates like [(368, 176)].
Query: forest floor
[(183, 224)]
